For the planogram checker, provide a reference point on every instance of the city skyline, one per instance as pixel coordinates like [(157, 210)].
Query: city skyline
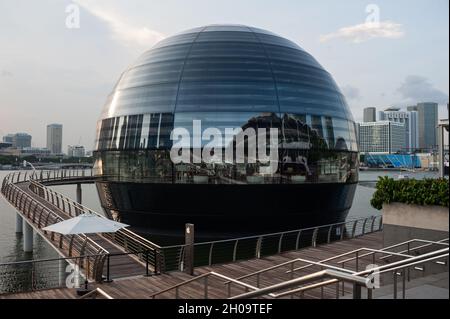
[(67, 80)]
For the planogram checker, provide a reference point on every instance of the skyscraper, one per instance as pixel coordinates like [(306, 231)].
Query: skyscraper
[(383, 137), (54, 138), (21, 140), (428, 122), (411, 121), (370, 114)]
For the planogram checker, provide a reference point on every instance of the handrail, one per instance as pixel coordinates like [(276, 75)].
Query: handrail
[(312, 263), (429, 243), (382, 250), (209, 274), (304, 279), (278, 233), (96, 291), (334, 281), (340, 276)]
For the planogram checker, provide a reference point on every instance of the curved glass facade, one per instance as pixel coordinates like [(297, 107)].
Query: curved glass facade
[(227, 77)]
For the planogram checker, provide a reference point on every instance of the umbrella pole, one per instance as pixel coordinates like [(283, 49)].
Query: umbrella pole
[(85, 290)]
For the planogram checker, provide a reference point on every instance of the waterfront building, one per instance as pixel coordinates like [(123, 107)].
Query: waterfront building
[(35, 151), (54, 138), (382, 137), (76, 151), (8, 138), (428, 123), (227, 76), (411, 121), (370, 114), (21, 140)]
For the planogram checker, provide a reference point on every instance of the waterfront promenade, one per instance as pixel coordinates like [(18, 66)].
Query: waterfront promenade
[(138, 287)]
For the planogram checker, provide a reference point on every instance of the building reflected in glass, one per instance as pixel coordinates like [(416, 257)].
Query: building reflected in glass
[(226, 77)]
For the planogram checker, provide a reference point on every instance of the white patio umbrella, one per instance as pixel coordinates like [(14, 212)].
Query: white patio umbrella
[(86, 223)]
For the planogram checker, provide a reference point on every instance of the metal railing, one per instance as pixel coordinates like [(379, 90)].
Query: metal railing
[(338, 275), (125, 238), (40, 216), (231, 250), (206, 253), (32, 275)]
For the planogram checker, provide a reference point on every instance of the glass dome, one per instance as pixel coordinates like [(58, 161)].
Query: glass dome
[(227, 76)]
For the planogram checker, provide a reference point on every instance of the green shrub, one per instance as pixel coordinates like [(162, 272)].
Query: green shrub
[(410, 191)]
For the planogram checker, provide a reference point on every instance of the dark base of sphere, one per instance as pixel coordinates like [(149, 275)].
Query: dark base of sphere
[(160, 211)]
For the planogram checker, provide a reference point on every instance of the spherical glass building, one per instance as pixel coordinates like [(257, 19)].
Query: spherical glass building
[(226, 76)]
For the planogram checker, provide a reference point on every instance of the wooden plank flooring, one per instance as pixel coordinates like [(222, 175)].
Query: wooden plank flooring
[(140, 287)]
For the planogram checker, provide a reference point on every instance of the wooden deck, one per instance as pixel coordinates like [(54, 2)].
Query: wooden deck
[(139, 287)]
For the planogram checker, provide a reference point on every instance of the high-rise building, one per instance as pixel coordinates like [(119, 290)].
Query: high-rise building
[(8, 138), (381, 137), (428, 122), (76, 151), (54, 138), (370, 114), (21, 140), (412, 108), (411, 121)]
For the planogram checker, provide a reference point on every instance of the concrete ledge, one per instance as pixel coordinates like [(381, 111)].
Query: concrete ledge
[(425, 217)]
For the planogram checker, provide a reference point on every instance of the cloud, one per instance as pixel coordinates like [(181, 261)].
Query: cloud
[(418, 89), (363, 32), (351, 93), (123, 30)]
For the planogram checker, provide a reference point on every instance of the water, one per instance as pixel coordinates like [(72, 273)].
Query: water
[(11, 243)]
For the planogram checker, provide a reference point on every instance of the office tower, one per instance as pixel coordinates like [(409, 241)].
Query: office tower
[(411, 121), (428, 122), (54, 138), (381, 137), (370, 114), (21, 140), (76, 151)]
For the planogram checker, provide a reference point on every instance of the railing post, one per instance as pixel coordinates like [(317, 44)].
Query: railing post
[(108, 275), (372, 228), (329, 234), (147, 274), (364, 227), (314, 237), (354, 228), (280, 242), (356, 291), (297, 241), (395, 284), (210, 254), (235, 249), (258, 248)]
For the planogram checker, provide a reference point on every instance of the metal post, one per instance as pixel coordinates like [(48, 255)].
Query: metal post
[(19, 223), (27, 237), (108, 274), (395, 284), (147, 273), (62, 272), (189, 251), (356, 291), (79, 194)]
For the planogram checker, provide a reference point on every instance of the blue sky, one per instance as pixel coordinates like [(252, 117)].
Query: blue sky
[(49, 73)]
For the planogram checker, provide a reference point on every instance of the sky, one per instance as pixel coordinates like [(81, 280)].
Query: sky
[(56, 68)]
